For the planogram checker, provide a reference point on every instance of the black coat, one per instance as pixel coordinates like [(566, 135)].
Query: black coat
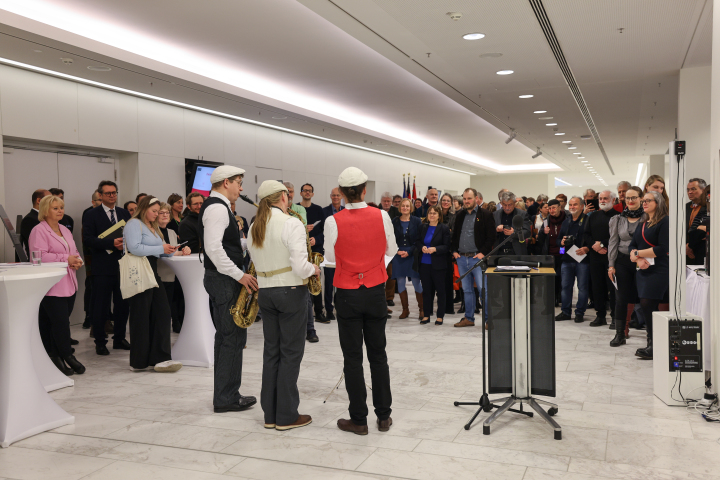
[(96, 222), (188, 231), (484, 230), (407, 242), (440, 240), (28, 222), (518, 248), (597, 229)]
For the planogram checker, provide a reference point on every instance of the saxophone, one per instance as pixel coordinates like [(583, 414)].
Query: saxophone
[(246, 307), (316, 258)]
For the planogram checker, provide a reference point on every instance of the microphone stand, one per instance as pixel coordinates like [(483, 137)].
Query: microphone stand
[(484, 404)]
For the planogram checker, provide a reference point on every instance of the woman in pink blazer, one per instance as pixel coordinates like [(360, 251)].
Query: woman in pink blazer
[(56, 244)]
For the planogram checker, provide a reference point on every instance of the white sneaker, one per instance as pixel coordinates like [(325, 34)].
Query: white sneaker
[(168, 367)]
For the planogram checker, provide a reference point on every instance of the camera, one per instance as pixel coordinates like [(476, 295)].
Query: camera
[(569, 241)]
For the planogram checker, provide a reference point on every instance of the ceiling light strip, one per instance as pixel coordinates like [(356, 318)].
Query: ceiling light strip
[(563, 182), (216, 113), (546, 26)]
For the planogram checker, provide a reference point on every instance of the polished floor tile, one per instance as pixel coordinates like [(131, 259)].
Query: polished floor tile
[(150, 426)]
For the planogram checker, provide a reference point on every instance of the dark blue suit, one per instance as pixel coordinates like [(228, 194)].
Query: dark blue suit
[(105, 273), (329, 272)]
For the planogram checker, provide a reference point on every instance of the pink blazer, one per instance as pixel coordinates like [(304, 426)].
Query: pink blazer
[(53, 249)]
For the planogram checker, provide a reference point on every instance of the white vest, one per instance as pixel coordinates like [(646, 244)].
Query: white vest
[(273, 255)]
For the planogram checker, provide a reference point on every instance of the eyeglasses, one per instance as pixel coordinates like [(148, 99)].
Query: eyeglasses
[(306, 191), (631, 199), (648, 201), (111, 194), (164, 212)]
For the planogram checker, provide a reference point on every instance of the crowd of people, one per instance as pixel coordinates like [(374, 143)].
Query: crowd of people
[(612, 246)]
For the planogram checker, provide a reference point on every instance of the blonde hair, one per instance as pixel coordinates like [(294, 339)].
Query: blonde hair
[(263, 217), (143, 207), (410, 201), (520, 204), (46, 204), (166, 206)]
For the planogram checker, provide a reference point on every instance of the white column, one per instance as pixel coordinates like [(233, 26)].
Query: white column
[(694, 120), (656, 166), (714, 203)]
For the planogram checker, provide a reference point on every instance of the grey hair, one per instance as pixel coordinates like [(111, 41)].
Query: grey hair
[(542, 198), (386, 195), (501, 192), (612, 195), (289, 185), (582, 201), (507, 196), (701, 183), (624, 183), (590, 190), (458, 198)]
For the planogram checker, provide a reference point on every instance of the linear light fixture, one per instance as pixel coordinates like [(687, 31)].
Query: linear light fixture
[(563, 182), (639, 172), (216, 113)]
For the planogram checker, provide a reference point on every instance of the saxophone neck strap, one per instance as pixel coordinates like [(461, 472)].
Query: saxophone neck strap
[(274, 272)]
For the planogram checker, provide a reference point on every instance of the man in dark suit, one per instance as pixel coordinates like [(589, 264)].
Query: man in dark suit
[(66, 221), (188, 230), (386, 203), (334, 207), (313, 214), (106, 271), (30, 220), (504, 221), (87, 257), (693, 209)]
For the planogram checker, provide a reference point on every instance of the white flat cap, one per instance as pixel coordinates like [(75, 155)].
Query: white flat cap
[(268, 187), (225, 171), (351, 177)]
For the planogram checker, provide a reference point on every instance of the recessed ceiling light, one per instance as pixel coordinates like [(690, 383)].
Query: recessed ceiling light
[(585, 137), (526, 96), (540, 111), (551, 124), (577, 153), (491, 55), (572, 148), (37, 51), (280, 118), (559, 133), (545, 118), (567, 141), (505, 72), (473, 36), (100, 68), (584, 161)]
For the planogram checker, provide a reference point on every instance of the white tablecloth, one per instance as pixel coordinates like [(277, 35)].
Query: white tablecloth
[(25, 407), (697, 302), (195, 344)]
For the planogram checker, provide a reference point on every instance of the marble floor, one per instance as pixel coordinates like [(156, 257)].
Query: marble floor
[(161, 426)]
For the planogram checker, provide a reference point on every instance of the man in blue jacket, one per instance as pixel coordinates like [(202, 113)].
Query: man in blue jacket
[(574, 226)]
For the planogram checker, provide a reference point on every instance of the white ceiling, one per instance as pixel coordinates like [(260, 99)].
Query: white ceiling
[(363, 64)]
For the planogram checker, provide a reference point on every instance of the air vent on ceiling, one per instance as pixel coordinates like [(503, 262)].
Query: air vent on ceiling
[(554, 43)]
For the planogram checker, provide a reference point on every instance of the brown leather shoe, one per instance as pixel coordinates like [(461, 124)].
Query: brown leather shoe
[(349, 426), (301, 421), (465, 323), (384, 425)]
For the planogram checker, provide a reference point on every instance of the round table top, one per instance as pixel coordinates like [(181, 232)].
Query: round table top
[(182, 258), (29, 272)]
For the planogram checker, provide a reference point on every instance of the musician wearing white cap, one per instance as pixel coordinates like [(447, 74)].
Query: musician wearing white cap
[(357, 239), (221, 244), (277, 246)]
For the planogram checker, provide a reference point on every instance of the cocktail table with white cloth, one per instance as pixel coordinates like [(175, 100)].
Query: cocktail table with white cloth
[(25, 406), (697, 302), (195, 345)]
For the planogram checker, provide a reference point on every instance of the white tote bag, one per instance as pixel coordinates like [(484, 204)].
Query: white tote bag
[(136, 274)]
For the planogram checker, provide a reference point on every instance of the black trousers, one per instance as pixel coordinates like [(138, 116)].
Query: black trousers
[(87, 297), (230, 339), (317, 301), (558, 278), (284, 326), (177, 305), (150, 325), (449, 291), (601, 286), (433, 281), (105, 289), (627, 290), (328, 288), (54, 324), (362, 314)]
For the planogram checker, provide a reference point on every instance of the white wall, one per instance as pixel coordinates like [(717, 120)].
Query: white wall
[(36, 107), (694, 120), (530, 185)]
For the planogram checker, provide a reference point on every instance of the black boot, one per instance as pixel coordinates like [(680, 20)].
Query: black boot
[(647, 352), (618, 340), (76, 366), (458, 297), (462, 307), (61, 366)]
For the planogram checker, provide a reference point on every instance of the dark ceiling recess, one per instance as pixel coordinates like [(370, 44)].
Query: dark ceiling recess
[(546, 26)]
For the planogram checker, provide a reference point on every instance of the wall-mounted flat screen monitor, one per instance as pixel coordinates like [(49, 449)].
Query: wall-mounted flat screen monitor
[(197, 176)]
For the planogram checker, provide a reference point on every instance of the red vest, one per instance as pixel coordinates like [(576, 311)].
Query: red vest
[(360, 248)]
